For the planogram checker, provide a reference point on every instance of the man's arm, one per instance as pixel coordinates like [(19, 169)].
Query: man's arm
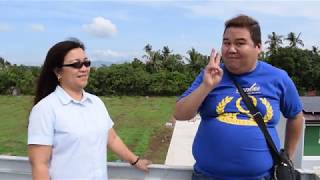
[(293, 133), (187, 107)]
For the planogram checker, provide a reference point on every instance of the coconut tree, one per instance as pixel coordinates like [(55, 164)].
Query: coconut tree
[(166, 52), (294, 40), (196, 60), (315, 50), (274, 42), (153, 59)]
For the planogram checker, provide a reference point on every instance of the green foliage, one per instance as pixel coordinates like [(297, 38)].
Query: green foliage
[(294, 40), (197, 61), (168, 83), (4, 63), (301, 65), (18, 78), (274, 41), (4, 83), (119, 79), (162, 72)]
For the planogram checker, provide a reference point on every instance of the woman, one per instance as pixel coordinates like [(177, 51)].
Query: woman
[(69, 129)]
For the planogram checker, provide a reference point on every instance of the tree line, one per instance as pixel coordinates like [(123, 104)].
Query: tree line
[(164, 73)]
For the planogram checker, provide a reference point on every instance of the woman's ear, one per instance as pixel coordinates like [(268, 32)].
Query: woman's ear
[(57, 72)]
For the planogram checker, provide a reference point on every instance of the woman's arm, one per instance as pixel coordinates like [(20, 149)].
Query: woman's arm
[(117, 146), (39, 157)]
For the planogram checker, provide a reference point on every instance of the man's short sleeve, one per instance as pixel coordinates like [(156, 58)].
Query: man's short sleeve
[(196, 83), (290, 103)]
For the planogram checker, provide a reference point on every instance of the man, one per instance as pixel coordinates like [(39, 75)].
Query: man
[(228, 144)]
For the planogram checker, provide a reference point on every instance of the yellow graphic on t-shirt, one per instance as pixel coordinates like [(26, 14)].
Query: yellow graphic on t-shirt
[(254, 100), (231, 118)]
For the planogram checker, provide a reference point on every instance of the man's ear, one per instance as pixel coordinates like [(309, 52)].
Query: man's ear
[(259, 46)]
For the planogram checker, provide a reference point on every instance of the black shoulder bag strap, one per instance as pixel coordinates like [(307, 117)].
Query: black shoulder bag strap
[(259, 120)]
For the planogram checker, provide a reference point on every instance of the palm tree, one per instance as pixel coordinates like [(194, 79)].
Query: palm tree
[(294, 40), (153, 59), (274, 42), (4, 63), (171, 62), (196, 60), (149, 53), (193, 56), (148, 48), (315, 50), (166, 51)]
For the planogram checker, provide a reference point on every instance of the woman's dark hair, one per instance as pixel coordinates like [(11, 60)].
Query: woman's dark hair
[(244, 21), (48, 81)]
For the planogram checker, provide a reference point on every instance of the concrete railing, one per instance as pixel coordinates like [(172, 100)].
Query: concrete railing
[(18, 168)]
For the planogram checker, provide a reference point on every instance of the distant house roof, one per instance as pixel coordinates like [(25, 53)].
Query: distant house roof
[(311, 109), (311, 104)]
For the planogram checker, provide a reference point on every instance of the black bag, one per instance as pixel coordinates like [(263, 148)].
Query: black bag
[(283, 168)]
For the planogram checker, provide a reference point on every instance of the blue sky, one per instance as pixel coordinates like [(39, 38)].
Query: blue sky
[(117, 31)]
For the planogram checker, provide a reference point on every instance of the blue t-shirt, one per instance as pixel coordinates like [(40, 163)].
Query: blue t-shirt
[(228, 144)]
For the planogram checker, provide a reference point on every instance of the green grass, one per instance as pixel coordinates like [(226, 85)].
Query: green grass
[(13, 124), (139, 121)]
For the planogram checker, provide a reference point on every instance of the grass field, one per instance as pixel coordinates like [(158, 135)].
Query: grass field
[(139, 121)]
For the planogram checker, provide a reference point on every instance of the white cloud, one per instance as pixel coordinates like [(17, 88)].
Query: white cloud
[(279, 16), (307, 9), (101, 27), (37, 27), (226, 9), (111, 56), (106, 54), (4, 28)]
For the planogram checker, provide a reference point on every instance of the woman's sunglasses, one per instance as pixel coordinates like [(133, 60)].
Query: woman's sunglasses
[(78, 64)]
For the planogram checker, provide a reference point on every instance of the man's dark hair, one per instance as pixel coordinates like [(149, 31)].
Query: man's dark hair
[(244, 21)]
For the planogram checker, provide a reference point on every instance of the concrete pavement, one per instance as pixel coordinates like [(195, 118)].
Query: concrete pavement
[(180, 149)]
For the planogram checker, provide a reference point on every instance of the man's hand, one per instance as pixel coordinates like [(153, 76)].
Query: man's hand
[(212, 73)]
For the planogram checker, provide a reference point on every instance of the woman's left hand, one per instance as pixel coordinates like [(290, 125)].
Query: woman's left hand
[(143, 164)]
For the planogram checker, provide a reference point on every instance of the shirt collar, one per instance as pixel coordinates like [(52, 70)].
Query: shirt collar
[(65, 98)]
